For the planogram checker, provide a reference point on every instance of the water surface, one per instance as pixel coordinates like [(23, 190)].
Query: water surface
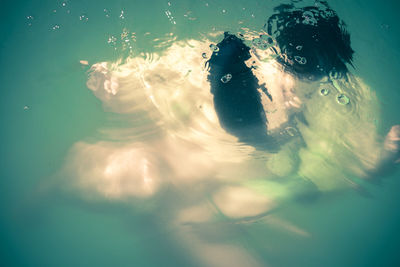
[(57, 134)]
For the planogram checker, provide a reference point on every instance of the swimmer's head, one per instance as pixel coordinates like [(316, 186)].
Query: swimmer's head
[(313, 41)]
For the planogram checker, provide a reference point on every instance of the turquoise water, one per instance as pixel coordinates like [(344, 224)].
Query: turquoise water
[(46, 108)]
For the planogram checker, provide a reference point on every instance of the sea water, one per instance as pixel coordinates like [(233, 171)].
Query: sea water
[(47, 108)]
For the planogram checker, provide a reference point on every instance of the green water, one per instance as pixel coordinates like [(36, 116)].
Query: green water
[(42, 224)]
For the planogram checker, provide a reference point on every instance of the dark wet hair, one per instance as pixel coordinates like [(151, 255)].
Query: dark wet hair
[(313, 41), (234, 87)]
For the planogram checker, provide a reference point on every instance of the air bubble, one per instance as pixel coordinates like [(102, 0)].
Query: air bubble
[(324, 92), (299, 47), (83, 18), (291, 131), (300, 60), (133, 36), (124, 34), (27, 107), (170, 17), (112, 40), (106, 12), (226, 78), (30, 19), (214, 48), (204, 55), (343, 99), (121, 16)]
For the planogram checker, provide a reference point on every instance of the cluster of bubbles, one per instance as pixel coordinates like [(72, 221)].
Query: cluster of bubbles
[(112, 40), (341, 98), (55, 27), (30, 19), (64, 5), (83, 17), (300, 60), (226, 78), (126, 41), (320, 68), (214, 48), (189, 16), (121, 15), (106, 12), (170, 17)]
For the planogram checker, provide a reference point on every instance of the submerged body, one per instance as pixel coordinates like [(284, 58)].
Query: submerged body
[(232, 147), (176, 140)]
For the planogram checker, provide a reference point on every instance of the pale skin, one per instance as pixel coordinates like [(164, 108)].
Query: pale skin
[(175, 139)]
